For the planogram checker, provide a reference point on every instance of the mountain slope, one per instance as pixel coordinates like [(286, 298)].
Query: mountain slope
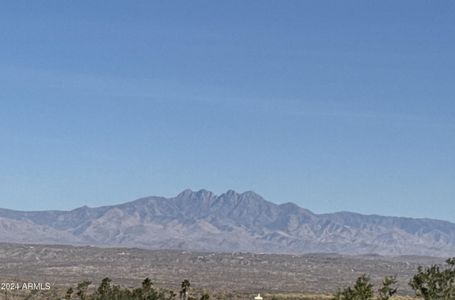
[(228, 222)]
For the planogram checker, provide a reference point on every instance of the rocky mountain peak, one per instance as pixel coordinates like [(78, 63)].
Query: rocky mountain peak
[(232, 221)]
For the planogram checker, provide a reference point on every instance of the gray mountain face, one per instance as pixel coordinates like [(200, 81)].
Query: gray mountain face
[(228, 222)]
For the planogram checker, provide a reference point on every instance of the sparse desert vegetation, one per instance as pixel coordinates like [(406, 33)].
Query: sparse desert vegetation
[(220, 275)]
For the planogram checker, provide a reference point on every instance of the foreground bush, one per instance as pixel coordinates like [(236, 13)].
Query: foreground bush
[(434, 282), (107, 291), (363, 290), (431, 283)]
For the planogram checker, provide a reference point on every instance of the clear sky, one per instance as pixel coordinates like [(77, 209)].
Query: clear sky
[(334, 105)]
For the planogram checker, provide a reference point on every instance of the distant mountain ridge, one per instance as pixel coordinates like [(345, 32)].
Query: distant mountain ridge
[(229, 222)]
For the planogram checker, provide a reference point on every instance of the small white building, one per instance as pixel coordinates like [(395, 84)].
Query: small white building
[(258, 297)]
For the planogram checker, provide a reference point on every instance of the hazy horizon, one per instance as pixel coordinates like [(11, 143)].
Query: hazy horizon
[(340, 107)]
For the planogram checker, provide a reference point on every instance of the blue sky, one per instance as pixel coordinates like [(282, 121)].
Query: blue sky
[(334, 105)]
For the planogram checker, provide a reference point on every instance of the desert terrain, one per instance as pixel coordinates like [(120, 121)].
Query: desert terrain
[(222, 275)]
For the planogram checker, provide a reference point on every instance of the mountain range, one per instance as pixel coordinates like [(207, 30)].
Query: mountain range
[(201, 220)]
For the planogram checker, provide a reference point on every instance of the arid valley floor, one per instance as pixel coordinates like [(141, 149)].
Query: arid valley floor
[(233, 275)]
